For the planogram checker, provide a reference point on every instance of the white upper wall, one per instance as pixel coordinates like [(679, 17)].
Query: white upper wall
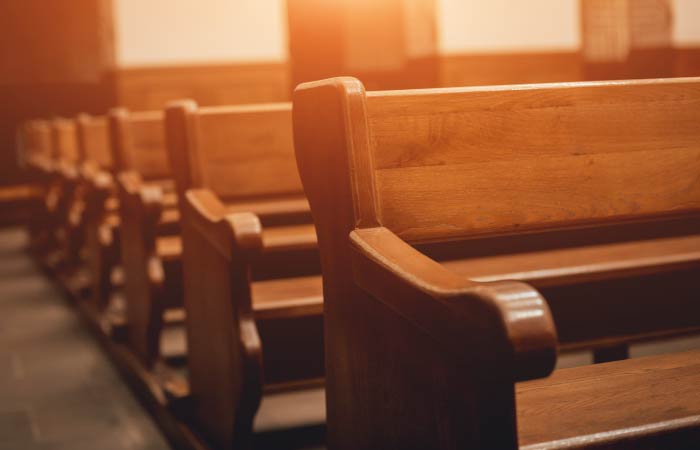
[(163, 32), (488, 26), (686, 23)]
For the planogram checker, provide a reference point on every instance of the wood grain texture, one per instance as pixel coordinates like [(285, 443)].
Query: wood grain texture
[(151, 253), (150, 88), (561, 155), (239, 151), (415, 358), (148, 210), (248, 251), (580, 408), (138, 142), (590, 263)]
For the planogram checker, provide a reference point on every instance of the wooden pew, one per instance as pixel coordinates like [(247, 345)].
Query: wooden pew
[(35, 155), (252, 290), (100, 207), (148, 222), (36, 148), (64, 176), (84, 216), (424, 354), (21, 202)]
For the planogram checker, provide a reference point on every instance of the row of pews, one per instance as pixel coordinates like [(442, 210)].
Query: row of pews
[(421, 257)]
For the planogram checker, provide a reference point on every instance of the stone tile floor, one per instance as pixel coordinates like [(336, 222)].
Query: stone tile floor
[(58, 390)]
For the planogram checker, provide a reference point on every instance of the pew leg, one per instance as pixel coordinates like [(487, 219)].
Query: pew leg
[(612, 353), (147, 327)]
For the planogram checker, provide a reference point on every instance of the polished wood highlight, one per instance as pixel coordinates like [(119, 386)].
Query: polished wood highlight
[(421, 356)]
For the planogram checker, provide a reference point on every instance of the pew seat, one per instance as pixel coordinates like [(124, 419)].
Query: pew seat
[(287, 297), (169, 248), (287, 238), (584, 264), (597, 406)]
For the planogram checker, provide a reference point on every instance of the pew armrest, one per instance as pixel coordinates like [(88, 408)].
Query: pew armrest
[(68, 171), (99, 179), (502, 327), (230, 233)]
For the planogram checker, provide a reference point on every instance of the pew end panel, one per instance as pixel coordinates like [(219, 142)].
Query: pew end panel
[(150, 224), (141, 210), (283, 315), (225, 379)]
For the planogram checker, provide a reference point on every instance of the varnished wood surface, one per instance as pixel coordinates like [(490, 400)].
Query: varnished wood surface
[(36, 140), (561, 154), (139, 142), (20, 192), (293, 237), (249, 145), (246, 234), (93, 134), (287, 297), (65, 140), (419, 356), (590, 263), (148, 88), (169, 247), (269, 209), (595, 405), (149, 218)]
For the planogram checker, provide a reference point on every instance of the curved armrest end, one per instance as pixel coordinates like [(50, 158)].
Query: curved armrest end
[(505, 325), (246, 231), (130, 182), (231, 234), (151, 198), (527, 323), (103, 181)]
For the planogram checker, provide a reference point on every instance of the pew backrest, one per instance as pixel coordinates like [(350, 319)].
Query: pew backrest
[(138, 143), (65, 140), (94, 140), (237, 152), (36, 139), (453, 163)]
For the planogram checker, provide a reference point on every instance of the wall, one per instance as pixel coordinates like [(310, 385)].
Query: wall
[(213, 51), (686, 21), (179, 32), (477, 26), (507, 42), (53, 57)]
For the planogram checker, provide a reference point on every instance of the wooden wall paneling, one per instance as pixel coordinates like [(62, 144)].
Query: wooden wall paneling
[(52, 61), (150, 88)]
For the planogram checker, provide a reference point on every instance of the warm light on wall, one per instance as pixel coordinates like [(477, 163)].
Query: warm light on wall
[(163, 32)]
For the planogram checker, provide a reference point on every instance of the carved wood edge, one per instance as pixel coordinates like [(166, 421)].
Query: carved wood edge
[(233, 235), (503, 324)]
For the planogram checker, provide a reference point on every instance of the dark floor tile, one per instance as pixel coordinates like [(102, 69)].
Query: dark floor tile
[(58, 390)]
